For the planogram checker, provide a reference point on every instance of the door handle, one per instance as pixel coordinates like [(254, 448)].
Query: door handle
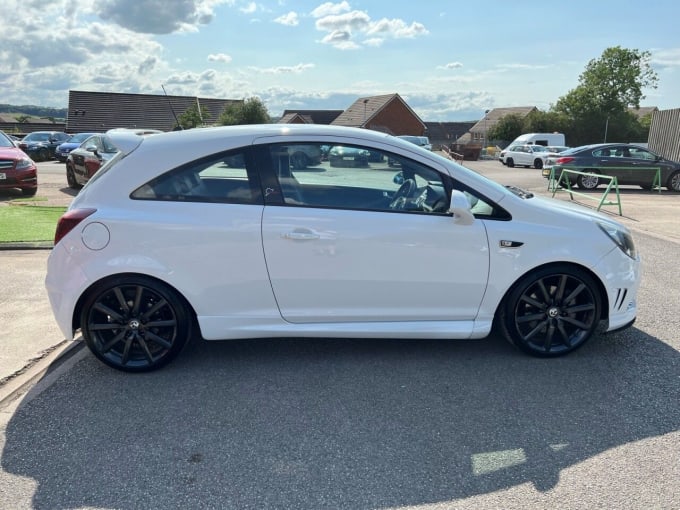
[(301, 235)]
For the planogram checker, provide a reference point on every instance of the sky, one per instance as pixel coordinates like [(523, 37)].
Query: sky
[(449, 60)]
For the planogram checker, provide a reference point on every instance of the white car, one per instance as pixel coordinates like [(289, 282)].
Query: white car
[(525, 155), (215, 229)]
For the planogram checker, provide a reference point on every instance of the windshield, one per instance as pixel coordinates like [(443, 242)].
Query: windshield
[(5, 141), (37, 137), (79, 137)]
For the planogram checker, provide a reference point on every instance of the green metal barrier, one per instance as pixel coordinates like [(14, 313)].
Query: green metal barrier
[(656, 183), (602, 200)]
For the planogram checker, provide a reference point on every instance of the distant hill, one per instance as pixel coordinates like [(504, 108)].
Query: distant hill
[(35, 111)]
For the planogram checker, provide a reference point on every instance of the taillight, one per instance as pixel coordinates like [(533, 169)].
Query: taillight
[(564, 160), (69, 221)]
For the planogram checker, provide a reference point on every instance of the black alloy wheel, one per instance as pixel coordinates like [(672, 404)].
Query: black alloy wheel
[(538, 163), (552, 311), (134, 323)]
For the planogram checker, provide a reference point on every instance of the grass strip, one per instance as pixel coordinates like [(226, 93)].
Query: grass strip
[(28, 223)]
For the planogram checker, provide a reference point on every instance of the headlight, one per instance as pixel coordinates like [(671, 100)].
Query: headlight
[(621, 238), (24, 163)]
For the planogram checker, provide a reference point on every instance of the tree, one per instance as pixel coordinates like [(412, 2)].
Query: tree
[(507, 128), (193, 117), (597, 108), (250, 111)]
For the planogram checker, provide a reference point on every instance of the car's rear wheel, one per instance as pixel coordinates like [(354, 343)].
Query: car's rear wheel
[(135, 323), (43, 154), (552, 311), (538, 163), (510, 162), (29, 192), (71, 178), (673, 183), (588, 181)]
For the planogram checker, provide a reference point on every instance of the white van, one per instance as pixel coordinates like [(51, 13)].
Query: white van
[(546, 139)]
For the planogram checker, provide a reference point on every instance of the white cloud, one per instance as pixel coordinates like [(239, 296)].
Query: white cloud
[(157, 16), (451, 65), (219, 57), (250, 8), (343, 28), (329, 8), (290, 19), (300, 68)]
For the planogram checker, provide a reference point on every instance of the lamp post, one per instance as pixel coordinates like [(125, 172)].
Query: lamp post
[(486, 112), (365, 102)]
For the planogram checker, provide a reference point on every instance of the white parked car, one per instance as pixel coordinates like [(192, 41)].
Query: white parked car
[(525, 155), (215, 229)]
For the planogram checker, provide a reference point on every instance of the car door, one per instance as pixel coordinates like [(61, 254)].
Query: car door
[(615, 161), (337, 252)]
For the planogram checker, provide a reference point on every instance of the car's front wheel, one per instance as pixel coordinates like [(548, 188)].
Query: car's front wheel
[(538, 163), (510, 162), (588, 181), (135, 323), (673, 183), (552, 311)]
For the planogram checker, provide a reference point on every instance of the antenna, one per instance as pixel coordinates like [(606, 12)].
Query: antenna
[(171, 108)]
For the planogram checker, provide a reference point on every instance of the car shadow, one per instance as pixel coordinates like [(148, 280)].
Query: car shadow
[(328, 423)]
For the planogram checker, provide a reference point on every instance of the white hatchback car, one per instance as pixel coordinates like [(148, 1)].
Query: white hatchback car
[(524, 155), (216, 229)]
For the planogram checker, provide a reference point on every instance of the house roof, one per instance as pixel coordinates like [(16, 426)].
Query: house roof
[(493, 116), (364, 109), (100, 111), (309, 116), (643, 111)]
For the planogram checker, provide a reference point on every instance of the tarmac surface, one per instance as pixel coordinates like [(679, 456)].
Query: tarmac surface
[(31, 344)]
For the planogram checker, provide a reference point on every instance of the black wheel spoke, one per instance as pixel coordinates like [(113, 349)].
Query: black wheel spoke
[(154, 309), (109, 345), (145, 349), (159, 340), (137, 301), (121, 299), (531, 318), (161, 324), (110, 312), (533, 302)]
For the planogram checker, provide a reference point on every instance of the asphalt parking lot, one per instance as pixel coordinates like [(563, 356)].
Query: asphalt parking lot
[(354, 424)]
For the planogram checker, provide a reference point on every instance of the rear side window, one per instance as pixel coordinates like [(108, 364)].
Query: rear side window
[(224, 178)]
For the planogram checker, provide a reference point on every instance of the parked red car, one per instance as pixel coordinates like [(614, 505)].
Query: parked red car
[(17, 170)]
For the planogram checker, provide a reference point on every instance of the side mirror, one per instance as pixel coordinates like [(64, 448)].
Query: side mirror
[(398, 178), (460, 208)]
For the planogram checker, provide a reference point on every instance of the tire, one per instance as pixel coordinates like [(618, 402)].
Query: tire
[(44, 155), (538, 163), (135, 323), (299, 160), (29, 192), (71, 178), (551, 311), (510, 162), (673, 183), (588, 181)]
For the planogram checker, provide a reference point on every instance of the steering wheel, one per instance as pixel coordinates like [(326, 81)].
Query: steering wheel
[(403, 193)]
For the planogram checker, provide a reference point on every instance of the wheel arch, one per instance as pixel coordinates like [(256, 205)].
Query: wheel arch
[(77, 310)]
